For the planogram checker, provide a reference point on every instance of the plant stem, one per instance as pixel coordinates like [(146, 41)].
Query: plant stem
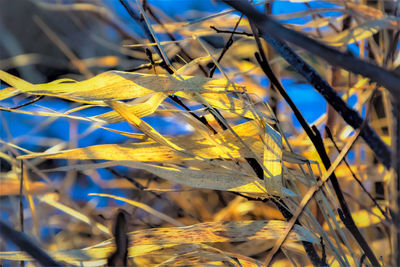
[(349, 115)]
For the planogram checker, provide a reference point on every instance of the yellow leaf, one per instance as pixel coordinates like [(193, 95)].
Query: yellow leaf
[(224, 145), (115, 85), (357, 33), (226, 103), (142, 125), (148, 241), (217, 180), (8, 92), (273, 161), (146, 108)]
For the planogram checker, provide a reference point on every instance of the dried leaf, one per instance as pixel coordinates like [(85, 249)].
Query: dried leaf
[(142, 125), (146, 108), (150, 240), (357, 33), (217, 180), (273, 161), (115, 85)]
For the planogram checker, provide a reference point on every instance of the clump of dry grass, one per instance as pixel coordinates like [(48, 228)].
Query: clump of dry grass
[(243, 187)]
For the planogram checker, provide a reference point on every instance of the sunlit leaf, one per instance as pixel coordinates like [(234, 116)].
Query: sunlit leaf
[(273, 161), (114, 85), (218, 180), (145, 241), (357, 33)]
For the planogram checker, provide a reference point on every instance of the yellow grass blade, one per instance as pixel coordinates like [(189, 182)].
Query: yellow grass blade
[(273, 161), (224, 145), (358, 33), (52, 201), (8, 92), (146, 108), (115, 85), (145, 241), (217, 180), (142, 125)]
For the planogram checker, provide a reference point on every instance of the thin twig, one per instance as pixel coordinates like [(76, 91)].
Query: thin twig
[(308, 247), (170, 35), (75, 61), (147, 66), (167, 67), (140, 20), (231, 32), (262, 59), (350, 224), (327, 130), (226, 47), (274, 85), (36, 99), (154, 37)]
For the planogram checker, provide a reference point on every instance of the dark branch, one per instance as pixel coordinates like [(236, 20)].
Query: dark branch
[(316, 139), (25, 244), (269, 27), (349, 115)]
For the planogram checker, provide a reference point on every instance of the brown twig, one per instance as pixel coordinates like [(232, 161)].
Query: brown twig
[(232, 32), (226, 47), (329, 134)]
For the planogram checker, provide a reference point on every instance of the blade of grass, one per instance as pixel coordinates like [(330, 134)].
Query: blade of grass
[(309, 195)]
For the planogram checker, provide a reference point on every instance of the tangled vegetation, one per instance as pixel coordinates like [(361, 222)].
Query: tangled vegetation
[(213, 171)]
